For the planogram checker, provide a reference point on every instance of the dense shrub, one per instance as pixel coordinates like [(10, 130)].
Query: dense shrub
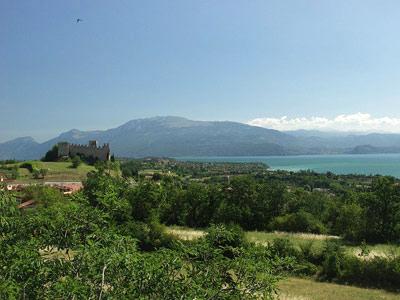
[(131, 168), (39, 173), (27, 165), (109, 235), (51, 155), (380, 272), (298, 222), (228, 238), (284, 248), (310, 253), (302, 260), (377, 271), (14, 174), (145, 201), (333, 263), (73, 249), (221, 236), (76, 162), (108, 194), (150, 237), (43, 195)]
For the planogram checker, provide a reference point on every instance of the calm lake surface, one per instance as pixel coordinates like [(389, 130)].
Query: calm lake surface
[(384, 164)]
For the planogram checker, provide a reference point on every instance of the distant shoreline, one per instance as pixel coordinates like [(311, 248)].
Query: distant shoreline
[(342, 164)]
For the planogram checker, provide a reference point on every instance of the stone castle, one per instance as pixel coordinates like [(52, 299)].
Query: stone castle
[(90, 150)]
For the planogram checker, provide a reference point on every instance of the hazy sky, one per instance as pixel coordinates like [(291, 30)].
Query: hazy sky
[(208, 60)]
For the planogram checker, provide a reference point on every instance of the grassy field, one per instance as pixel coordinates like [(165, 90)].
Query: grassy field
[(382, 250), (317, 240), (308, 289), (57, 171), (186, 234)]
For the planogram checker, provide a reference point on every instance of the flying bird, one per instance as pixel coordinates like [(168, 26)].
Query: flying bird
[(79, 20)]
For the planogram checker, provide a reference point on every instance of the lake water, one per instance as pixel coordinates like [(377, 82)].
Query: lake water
[(384, 164)]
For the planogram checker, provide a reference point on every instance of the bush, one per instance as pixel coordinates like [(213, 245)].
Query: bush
[(333, 264), (284, 248), (298, 222), (150, 236), (220, 236), (229, 239), (300, 265), (76, 162), (14, 173), (309, 253), (305, 268), (27, 165), (39, 173), (381, 272), (43, 195), (377, 272), (36, 173)]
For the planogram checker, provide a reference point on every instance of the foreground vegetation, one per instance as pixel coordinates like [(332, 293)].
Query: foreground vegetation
[(107, 241), (90, 246)]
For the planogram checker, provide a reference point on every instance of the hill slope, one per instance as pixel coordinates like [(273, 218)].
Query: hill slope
[(20, 148), (176, 136), (170, 136)]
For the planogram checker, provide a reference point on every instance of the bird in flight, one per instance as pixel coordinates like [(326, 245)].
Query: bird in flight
[(79, 20)]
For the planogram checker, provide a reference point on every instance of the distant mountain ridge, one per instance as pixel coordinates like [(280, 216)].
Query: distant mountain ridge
[(177, 136)]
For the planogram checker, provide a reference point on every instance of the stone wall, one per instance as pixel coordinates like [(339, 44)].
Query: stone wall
[(90, 150), (63, 149)]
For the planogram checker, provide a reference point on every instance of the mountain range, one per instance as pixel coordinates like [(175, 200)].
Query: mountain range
[(176, 136)]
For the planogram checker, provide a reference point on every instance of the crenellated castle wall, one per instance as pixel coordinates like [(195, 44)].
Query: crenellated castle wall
[(90, 150)]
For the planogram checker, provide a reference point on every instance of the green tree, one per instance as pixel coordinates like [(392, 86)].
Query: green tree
[(351, 222), (76, 162), (270, 203), (52, 154), (145, 200), (131, 168), (108, 194), (382, 210), (237, 201), (199, 209)]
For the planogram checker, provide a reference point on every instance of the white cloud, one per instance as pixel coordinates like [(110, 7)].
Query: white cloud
[(361, 122)]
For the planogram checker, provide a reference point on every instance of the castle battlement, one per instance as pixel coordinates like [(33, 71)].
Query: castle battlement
[(90, 150)]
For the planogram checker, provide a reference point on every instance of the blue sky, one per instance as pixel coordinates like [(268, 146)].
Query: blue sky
[(207, 60)]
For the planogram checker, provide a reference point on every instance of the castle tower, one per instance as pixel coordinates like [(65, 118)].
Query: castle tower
[(93, 144), (63, 149)]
